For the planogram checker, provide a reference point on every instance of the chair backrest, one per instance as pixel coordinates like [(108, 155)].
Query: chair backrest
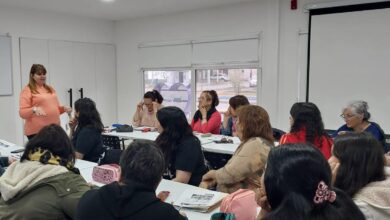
[(277, 133), (111, 142)]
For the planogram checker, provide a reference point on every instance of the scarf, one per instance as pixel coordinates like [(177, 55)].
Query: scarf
[(46, 157)]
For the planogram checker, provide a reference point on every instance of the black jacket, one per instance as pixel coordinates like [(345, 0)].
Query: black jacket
[(131, 201)]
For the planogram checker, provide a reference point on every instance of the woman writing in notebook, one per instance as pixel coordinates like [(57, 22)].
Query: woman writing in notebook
[(38, 103), (207, 119), (145, 114)]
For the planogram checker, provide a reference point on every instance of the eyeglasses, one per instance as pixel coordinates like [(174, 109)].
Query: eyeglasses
[(346, 116)]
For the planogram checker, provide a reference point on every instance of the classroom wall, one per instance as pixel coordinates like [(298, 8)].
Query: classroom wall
[(283, 54), (42, 25)]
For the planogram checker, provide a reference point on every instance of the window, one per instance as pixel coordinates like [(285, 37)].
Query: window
[(228, 83), (174, 86)]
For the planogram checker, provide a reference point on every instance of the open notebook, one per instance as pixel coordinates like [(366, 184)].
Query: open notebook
[(199, 200)]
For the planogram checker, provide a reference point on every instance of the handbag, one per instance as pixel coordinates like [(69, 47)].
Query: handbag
[(106, 174), (124, 128), (241, 203)]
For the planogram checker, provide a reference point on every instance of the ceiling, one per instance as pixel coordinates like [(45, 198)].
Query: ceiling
[(119, 9)]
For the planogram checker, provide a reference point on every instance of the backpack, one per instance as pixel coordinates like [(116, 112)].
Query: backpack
[(241, 203)]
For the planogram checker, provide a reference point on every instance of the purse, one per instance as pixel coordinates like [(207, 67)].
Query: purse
[(124, 128), (106, 174), (241, 203)]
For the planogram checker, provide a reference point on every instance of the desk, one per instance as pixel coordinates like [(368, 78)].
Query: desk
[(175, 189), (6, 148), (207, 143)]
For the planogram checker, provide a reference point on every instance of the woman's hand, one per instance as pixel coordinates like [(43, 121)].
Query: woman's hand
[(72, 123), (39, 111), (67, 109), (262, 201), (203, 112), (334, 166), (156, 106), (163, 195), (140, 106)]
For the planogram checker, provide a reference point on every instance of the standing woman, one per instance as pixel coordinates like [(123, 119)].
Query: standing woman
[(38, 103), (207, 119), (86, 129), (182, 150), (307, 127), (244, 169), (145, 114)]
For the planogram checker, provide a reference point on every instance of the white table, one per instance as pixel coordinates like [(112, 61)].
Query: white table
[(175, 189), (207, 143), (6, 148)]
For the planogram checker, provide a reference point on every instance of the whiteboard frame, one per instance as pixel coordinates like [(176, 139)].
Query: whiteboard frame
[(9, 92)]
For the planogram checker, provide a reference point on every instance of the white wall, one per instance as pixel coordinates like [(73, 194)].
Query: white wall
[(283, 54), (43, 25), (254, 17)]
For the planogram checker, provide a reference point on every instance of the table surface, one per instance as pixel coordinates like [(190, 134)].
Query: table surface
[(175, 189), (207, 143)]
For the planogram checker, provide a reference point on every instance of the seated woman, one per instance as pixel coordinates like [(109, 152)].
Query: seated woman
[(230, 116), (245, 167), (134, 195), (357, 117), (86, 129), (145, 115), (183, 154), (358, 169), (44, 184), (307, 127), (207, 119), (297, 185)]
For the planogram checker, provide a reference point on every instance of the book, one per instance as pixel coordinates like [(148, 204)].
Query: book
[(199, 200)]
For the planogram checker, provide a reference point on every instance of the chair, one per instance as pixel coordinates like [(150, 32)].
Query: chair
[(113, 142), (110, 156), (216, 160), (277, 133)]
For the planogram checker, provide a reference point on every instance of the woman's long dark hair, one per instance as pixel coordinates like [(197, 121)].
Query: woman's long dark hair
[(291, 178), (175, 125), (306, 115), (54, 139), (361, 161), (88, 114)]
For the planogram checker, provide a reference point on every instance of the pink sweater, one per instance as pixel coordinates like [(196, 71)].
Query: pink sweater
[(47, 101), (213, 125)]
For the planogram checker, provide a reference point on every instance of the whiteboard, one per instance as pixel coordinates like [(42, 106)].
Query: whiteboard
[(5, 66), (349, 59)]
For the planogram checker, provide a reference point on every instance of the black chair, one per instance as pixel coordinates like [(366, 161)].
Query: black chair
[(110, 156), (215, 160), (277, 133), (113, 142)]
